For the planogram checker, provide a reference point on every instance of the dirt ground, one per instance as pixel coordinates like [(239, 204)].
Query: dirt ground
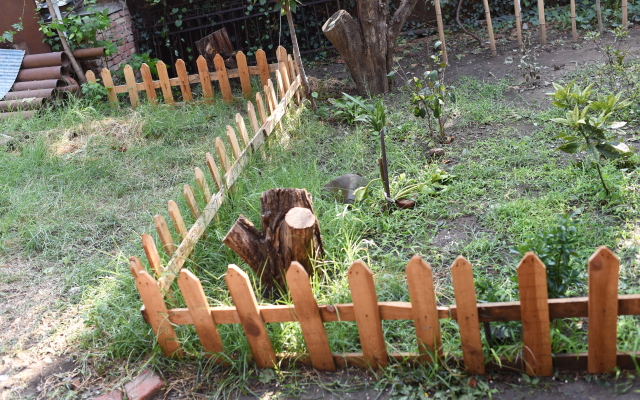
[(35, 351)]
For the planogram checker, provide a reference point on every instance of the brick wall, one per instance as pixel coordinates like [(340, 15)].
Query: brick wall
[(121, 31)]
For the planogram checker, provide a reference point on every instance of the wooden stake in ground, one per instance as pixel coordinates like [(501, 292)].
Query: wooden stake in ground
[(296, 54), (441, 30), (574, 30), (516, 6), (543, 25), (599, 11), (76, 67), (492, 41), (290, 232), (625, 21)]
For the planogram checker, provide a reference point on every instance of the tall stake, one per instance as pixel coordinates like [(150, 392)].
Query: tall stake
[(384, 166), (543, 25), (492, 41), (441, 30), (516, 6), (599, 11), (296, 54), (574, 29), (625, 22), (65, 45)]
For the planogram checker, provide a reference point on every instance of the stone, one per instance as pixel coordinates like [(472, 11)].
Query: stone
[(343, 187), (114, 395), (145, 387), (436, 152)]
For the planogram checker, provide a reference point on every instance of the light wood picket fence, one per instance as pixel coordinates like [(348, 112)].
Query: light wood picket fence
[(204, 77), (535, 310)]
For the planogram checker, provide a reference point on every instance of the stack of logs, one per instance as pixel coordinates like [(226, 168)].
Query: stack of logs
[(42, 77)]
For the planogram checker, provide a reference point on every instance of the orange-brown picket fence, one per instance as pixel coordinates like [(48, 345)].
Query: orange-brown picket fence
[(204, 77)]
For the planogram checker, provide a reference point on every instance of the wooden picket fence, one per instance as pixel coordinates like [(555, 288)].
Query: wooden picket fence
[(204, 77)]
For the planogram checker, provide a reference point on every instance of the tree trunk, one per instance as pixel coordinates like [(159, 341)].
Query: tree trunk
[(367, 45), (290, 232)]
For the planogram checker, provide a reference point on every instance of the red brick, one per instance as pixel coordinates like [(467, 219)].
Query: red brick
[(144, 387), (114, 395)]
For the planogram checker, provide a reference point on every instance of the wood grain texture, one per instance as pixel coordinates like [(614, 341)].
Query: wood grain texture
[(223, 80), (156, 311), (191, 201), (91, 77), (164, 234), (198, 306), (132, 89), (176, 218), (263, 66), (247, 306), (205, 79), (107, 80), (424, 309), (147, 81), (285, 76), (261, 109), (242, 128), (281, 88), (243, 69), (202, 184), (604, 269), (213, 169), (149, 247), (308, 315), (165, 85), (534, 308), (222, 155), (465, 294), (252, 117), (183, 78), (233, 140), (367, 313), (543, 25), (492, 41)]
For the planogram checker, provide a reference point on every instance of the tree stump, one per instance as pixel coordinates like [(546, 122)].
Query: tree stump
[(217, 43), (290, 232)]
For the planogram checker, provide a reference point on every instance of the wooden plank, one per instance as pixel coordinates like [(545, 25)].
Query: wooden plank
[(130, 78), (365, 304), (492, 41), (263, 66), (424, 309), (252, 117), (91, 77), (202, 184), (225, 88), (165, 85), (108, 84), (269, 98), (290, 68), (243, 69), (213, 168), (260, 104), (465, 294), (183, 78), (156, 311), (272, 92), (205, 79), (534, 308), (147, 81), (222, 155), (203, 320), (309, 317), (285, 76), (281, 89), (165, 235), (247, 306), (151, 251), (176, 218), (191, 201), (281, 54), (242, 128), (604, 268), (625, 13), (233, 140)]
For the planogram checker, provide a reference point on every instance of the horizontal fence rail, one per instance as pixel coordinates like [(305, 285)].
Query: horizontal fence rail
[(204, 77)]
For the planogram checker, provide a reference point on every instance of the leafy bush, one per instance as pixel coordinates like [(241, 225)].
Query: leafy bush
[(135, 61), (7, 36), (349, 108), (94, 92)]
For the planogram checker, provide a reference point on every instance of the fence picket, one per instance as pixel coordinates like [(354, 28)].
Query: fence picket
[(424, 309), (108, 84), (293, 74), (202, 184), (280, 81), (223, 79), (247, 307), (260, 104), (263, 66), (91, 77), (604, 268), (132, 87), (151, 251), (365, 305), (213, 168), (155, 309), (465, 295), (242, 128), (205, 79), (243, 70), (191, 201), (198, 306), (281, 54), (147, 81), (251, 110), (176, 218), (165, 85), (222, 155), (233, 140), (306, 309), (267, 96), (165, 235), (285, 76), (183, 79), (534, 311)]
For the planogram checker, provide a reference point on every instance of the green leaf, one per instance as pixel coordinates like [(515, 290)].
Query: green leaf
[(571, 147)]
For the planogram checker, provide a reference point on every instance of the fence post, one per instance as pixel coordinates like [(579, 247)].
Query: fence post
[(215, 172), (91, 77), (365, 307), (263, 66), (176, 218), (604, 268), (260, 104), (222, 155), (233, 140), (108, 84), (183, 78), (242, 128), (247, 307), (205, 79), (191, 201), (424, 309), (151, 251), (534, 311), (132, 87), (309, 318), (468, 320), (165, 85), (165, 235), (223, 79), (243, 70), (202, 184), (147, 81)]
